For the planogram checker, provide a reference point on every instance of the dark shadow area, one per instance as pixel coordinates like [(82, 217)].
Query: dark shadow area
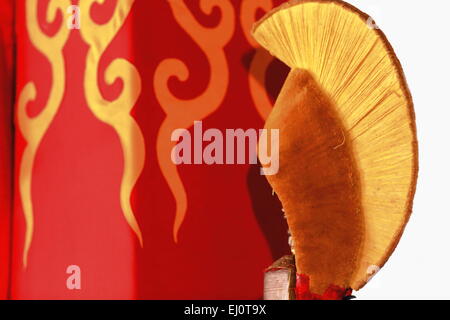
[(220, 253), (275, 74), (267, 210)]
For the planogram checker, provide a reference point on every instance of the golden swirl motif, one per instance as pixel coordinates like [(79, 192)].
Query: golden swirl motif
[(261, 60), (33, 129), (115, 113), (182, 113)]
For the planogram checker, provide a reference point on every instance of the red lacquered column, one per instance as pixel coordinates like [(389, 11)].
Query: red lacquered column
[(6, 103)]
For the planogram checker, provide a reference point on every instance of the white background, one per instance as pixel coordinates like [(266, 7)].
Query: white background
[(419, 31)]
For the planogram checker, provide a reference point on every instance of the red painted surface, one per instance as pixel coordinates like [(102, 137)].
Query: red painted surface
[(233, 227), (6, 87)]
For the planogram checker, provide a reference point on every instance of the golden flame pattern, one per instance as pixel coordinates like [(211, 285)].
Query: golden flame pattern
[(33, 129), (182, 113), (115, 113), (179, 113), (262, 58)]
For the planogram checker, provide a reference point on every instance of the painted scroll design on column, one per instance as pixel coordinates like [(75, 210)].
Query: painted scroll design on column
[(34, 128), (115, 113), (261, 59), (182, 113)]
